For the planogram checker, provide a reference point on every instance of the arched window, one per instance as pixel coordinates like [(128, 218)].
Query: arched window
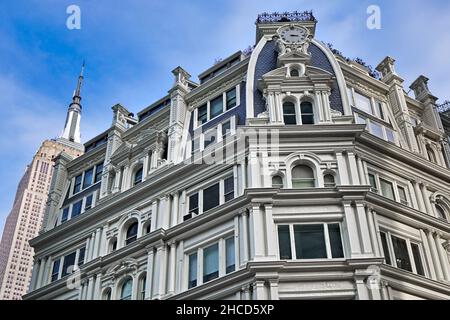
[(138, 176), (440, 212), (147, 227), (142, 284), (126, 290), (277, 182), (107, 294), (294, 73), (289, 113), (307, 112), (431, 154), (329, 182), (113, 245), (303, 177), (131, 233)]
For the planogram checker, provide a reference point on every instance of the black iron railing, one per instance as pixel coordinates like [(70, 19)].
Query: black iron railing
[(285, 17), (444, 108)]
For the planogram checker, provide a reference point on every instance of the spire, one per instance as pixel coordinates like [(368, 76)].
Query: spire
[(72, 126)]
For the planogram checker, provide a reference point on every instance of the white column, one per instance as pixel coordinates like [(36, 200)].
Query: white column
[(271, 233), (426, 199), (97, 242), (149, 280), (145, 167), (435, 256), (162, 270), (442, 257), (258, 237), (245, 236), (244, 177), (134, 292), (362, 176), (90, 288), (91, 247), (154, 221), (319, 104), (104, 243), (255, 174), (364, 229), (34, 276), (352, 230), (98, 287), (172, 269), (427, 252), (260, 290), (40, 274), (47, 271), (166, 218), (373, 232), (175, 204), (342, 167), (419, 196), (353, 168), (273, 289)]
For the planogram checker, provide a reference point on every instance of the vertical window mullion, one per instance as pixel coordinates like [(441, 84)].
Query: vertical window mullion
[(411, 256), (291, 236), (200, 202), (221, 191), (391, 249), (208, 111), (327, 241), (199, 266)]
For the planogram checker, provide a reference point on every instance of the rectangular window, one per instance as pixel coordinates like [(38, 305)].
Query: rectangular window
[(387, 189), (334, 232), (231, 98), (363, 103), (284, 242), (310, 241), (226, 129), (77, 186), (98, 173), (211, 197), (402, 194), (376, 130), (211, 263), (216, 107), (401, 254), (76, 208), (360, 119), (229, 188), (55, 269), (192, 271), (88, 204), (373, 183), (202, 114), (81, 255), (69, 264), (65, 215), (210, 137), (390, 135), (193, 206), (230, 255), (88, 176), (387, 256), (417, 258), (379, 107), (289, 115)]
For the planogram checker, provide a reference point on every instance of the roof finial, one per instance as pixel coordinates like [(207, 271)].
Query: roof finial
[(80, 81)]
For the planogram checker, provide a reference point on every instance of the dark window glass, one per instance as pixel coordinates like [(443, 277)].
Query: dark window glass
[(127, 289), (329, 181), (193, 205), (226, 129), (55, 270), (98, 172), (401, 254), (216, 107), (65, 215), (77, 186), (402, 194), (334, 232), (88, 204), (303, 177), (81, 256), (231, 98), (284, 241), (230, 255), (373, 183), (380, 109), (310, 242), (440, 212), (132, 233), (277, 182), (88, 176), (69, 264), (76, 208), (387, 189), (114, 245), (306, 109), (142, 284), (289, 113), (294, 73), (192, 271), (210, 197), (417, 259), (138, 176), (229, 188), (202, 114), (211, 263), (148, 227), (384, 242)]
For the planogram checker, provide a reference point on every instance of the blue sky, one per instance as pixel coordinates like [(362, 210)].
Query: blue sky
[(130, 49)]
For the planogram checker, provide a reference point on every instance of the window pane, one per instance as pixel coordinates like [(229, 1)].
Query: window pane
[(402, 194), (65, 215), (98, 173), (193, 204), (192, 270), (379, 107), (284, 241), (417, 258), (68, 265), (440, 212), (88, 204), (55, 269), (202, 114), (231, 98), (127, 288), (401, 254), (303, 177), (88, 175), (277, 182), (216, 107), (329, 181), (77, 186), (211, 263), (132, 233), (334, 232), (373, 183), (76, 208), (387, 190), (226, 129), (360, 119), (306, 109), (363, 103), (289, 113), (229, 188), (138, 176), (376, 129), (210, 137), (384, 242), (390, 135), (230, 255), (211, 197), (310, 242), (81, 256)]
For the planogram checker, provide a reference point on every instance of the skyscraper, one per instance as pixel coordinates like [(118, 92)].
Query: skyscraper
[(26, 217)]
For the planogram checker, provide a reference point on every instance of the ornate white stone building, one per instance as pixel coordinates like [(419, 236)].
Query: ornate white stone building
[(333, 185)]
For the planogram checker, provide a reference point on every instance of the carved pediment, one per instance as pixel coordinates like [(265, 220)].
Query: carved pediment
[(124, 149), (294, 57), (127, 266)]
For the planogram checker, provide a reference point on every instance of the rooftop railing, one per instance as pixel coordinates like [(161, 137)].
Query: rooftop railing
[(285, 17)]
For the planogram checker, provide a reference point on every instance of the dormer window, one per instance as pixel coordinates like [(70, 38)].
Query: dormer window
[(306, 109), (294, 73), (289, 113)]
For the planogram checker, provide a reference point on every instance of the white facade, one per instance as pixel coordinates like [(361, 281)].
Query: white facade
[(347, 197)]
